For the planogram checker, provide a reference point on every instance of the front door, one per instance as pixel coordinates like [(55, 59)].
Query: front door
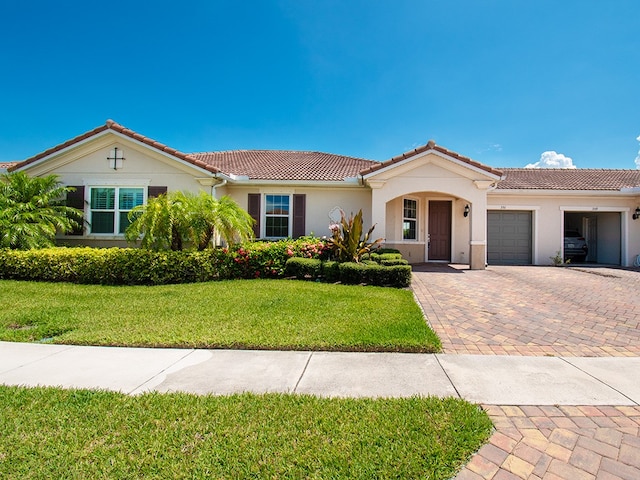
[(439, 230)]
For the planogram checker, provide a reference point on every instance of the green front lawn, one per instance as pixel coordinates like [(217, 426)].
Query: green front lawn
[(77, 434), (260, 314)]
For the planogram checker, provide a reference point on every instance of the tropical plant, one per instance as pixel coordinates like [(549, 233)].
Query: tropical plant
[(33, 210), (209, 216), (347, 242), (179, 219), (159, 224)]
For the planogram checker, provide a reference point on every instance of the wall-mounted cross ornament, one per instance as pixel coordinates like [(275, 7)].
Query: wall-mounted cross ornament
[(116, 158)]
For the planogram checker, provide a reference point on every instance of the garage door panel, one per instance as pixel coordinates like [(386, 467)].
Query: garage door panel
[(509, 238)]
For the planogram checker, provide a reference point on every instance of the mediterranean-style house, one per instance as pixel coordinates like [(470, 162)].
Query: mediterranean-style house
[(431, 203)]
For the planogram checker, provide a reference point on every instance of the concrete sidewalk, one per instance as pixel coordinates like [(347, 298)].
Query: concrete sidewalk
[(493, 380)]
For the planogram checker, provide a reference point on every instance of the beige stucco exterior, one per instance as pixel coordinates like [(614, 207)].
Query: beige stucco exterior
[(433, 176), (424, 176), (321, 203), (548, 213), (88, 162)]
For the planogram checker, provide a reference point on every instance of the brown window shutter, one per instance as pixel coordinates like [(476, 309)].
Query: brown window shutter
[(299, 214), (75, 199), (254, 211), (153, 192)]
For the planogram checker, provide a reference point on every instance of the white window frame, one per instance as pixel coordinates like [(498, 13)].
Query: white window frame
[(116, 210), (411, 219), (266, 215)]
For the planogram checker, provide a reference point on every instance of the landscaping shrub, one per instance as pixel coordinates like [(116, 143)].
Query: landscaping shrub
[(133, 266), (398, 276), (302, 258), (331, 271), (387, 250), (109, 266), (379, 257), (303, 268), (393, 261), (352, 273)]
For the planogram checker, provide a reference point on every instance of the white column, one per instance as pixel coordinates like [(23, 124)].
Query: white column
[(378, 211)]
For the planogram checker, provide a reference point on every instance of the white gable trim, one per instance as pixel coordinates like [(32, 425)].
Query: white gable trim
[(448, 158), (124, 139)]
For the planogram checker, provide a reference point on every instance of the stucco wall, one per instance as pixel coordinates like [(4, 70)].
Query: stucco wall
[(416, 251), (89, 164), (548, 221), (319, 202)]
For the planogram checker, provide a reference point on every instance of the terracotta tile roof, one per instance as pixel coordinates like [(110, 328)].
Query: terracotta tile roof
[(285, 164), (431, 145), (6, 165), (116, 127), (568, 179)]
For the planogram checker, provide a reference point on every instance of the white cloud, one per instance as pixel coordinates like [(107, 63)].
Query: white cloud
[(553, 159), (638, 157)]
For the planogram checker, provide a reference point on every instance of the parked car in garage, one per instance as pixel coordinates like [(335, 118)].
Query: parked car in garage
[(575, 246)]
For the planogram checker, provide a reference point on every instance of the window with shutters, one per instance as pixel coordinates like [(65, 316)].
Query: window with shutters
[(277, 216), (109, 208)]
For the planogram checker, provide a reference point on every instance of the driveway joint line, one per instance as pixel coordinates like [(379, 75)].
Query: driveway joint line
[(68, 347), (189, 352), (447, 375), (599, 380), (304, 370)]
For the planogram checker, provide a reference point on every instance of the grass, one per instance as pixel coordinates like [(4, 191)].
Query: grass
[(77, 434), (256, 314)]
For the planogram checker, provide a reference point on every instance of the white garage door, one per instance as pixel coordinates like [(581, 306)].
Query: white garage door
[(508, 237)]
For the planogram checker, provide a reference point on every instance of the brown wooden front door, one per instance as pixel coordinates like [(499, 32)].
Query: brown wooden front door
[(440, 230)]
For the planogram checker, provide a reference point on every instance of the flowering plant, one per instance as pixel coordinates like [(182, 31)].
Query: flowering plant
[(348, 241)]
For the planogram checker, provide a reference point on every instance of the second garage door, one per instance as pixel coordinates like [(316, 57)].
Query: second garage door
[(509, 237)]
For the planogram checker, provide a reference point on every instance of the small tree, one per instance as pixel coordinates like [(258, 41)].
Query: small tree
[(33, 210), (160, 223), (208, 216), (175, 220), (347, 241)]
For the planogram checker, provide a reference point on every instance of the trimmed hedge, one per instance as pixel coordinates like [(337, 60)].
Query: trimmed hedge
[(398, 276), (302, 258), (111, 266), (135, 266), (368, 272), (303, 268)]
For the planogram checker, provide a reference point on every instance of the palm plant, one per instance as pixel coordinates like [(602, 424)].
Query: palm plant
[(209, 216), (160, 223), (175, 220), (33, 210), (347, 241)]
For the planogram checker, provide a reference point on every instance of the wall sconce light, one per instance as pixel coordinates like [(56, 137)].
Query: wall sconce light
[(636, 214), (467, 208), (116, 158)]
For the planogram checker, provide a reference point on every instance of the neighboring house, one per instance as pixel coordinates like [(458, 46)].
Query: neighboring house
[(431, 203)]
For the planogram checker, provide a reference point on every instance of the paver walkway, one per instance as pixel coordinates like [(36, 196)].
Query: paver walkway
[(576, 311), (542, 311), (570, 443)]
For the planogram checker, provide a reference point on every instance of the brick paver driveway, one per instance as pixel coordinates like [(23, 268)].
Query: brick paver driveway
[(576, 311)]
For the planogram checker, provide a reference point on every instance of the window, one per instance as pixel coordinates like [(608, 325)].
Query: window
[(277, 216), (110, 207), (410, 219)]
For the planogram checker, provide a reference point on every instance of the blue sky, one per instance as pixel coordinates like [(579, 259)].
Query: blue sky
[(499, 81)]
